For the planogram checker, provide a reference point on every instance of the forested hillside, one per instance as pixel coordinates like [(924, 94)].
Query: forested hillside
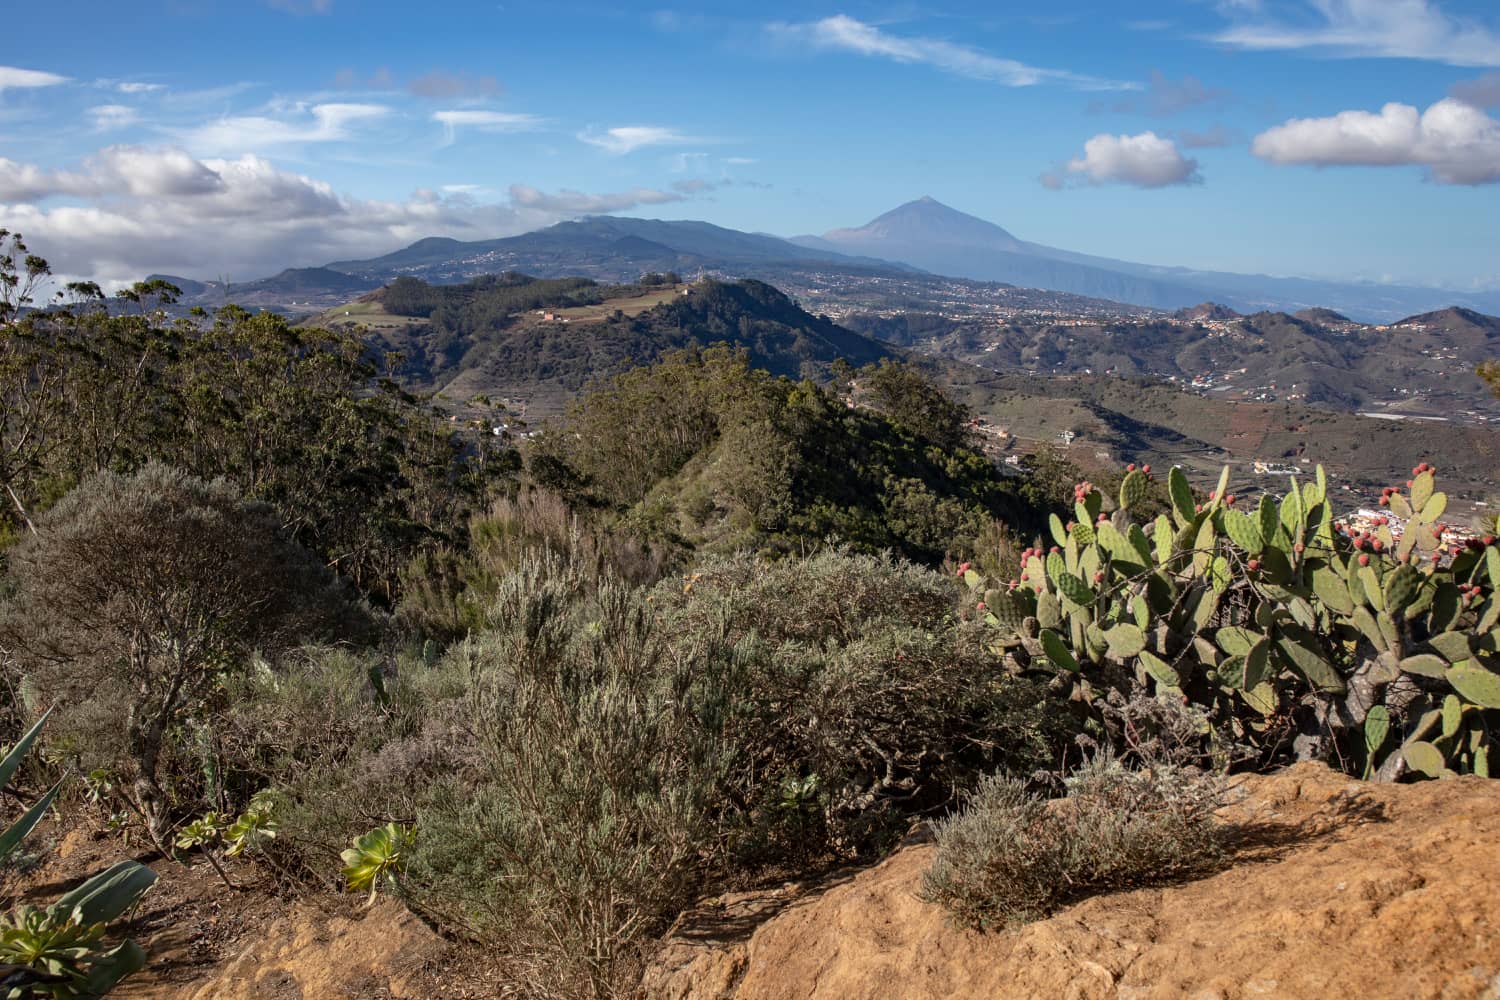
[(544, 339)]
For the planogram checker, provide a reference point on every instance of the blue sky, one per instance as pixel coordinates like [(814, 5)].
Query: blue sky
[(1353, 138)]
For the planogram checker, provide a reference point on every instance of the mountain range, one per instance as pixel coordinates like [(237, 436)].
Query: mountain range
[(929, 247), (1420, 367), (932, 236)]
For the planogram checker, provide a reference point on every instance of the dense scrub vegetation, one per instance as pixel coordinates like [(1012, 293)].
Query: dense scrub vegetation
[(707, 451), (715, 627), (486, 337), (297, 418)]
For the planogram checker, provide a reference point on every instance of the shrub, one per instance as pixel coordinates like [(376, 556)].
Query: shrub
[(860, 700), (597, 736), (147, 590), (351, 741), (1011, 856), (447, 593)]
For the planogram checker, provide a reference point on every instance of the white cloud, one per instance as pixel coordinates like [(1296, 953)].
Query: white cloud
[(12, 77), (628, 138), (1146, 160), (485, 121), (25, 182), (114, 170), (332, 122), (844, 33), (132, 87), (132, 211), (1402, 29), (1457, 142), (113, 116)]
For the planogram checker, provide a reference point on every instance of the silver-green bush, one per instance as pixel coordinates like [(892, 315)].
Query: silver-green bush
[(1011, 856)]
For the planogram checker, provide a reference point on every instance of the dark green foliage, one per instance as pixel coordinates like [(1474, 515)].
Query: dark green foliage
[(351, 741), (707, 452), (464, 309), (485, 336), (1011, 856), (910, 399), (294, 417), (447, 592), (779, 336), (590, 742)]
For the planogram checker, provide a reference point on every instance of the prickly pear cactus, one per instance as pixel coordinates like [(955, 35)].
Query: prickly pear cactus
[(1376, 647)]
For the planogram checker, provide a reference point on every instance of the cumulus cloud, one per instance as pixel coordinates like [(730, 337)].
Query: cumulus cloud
[(484, 121), (15, 78), (1146, 160), (1456, 142), (628, 138), (845, 34), (114, 170), (1402, 29), (127, 211), (301, 123)]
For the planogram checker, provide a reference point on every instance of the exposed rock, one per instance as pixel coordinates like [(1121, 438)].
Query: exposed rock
[(315, 955), (1344, 889)]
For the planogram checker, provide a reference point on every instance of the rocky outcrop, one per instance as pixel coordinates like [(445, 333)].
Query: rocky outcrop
[(315, 955), (1340, 888)]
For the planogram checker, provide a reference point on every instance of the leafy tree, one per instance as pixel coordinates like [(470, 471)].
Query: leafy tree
[(148, 589), (20, 274), (705, 451), (910, 398), (300, 418)]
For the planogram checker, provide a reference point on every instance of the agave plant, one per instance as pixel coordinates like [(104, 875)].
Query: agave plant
[(60, 949), (17, 831), (375, 857)]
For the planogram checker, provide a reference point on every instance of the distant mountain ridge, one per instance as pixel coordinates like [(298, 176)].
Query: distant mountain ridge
[(608, 248), (932, 236), (922, 242)]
